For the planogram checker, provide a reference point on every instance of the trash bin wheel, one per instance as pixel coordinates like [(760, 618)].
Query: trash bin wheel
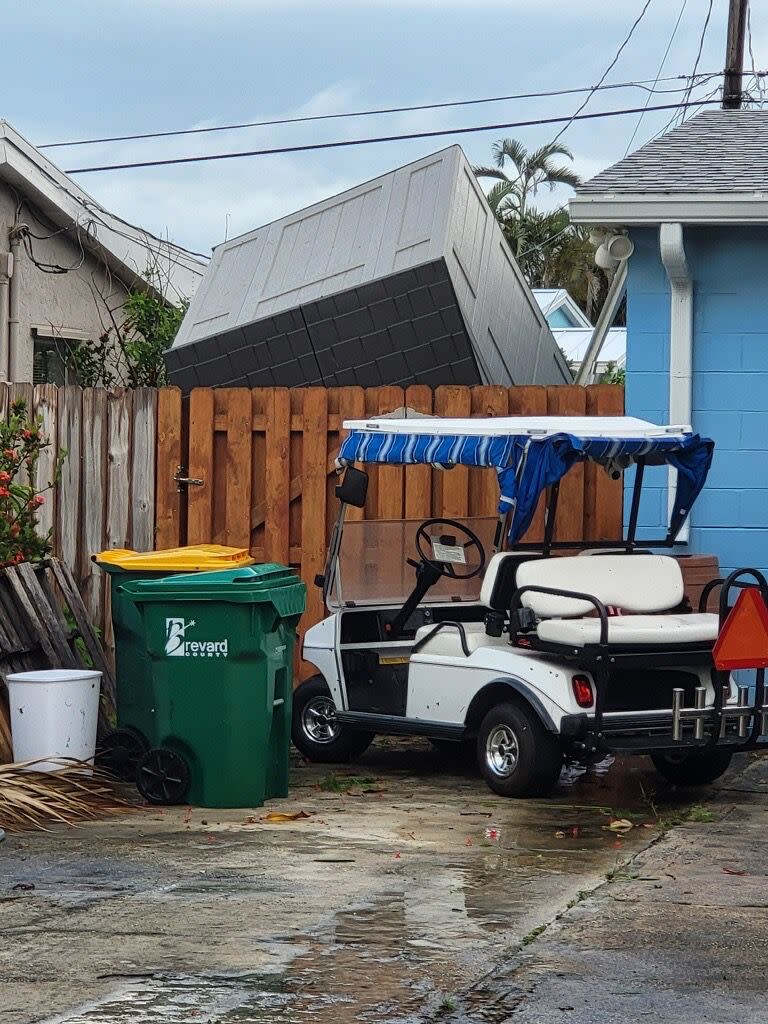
[(163, 776), (120, 752)]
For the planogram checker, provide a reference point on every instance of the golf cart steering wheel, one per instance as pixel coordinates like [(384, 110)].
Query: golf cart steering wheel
[(424, 541)]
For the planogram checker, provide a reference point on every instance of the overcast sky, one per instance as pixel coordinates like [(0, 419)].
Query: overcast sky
[(82, 68)]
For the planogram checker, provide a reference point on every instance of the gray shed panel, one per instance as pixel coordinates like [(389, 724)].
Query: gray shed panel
[(466, 316)]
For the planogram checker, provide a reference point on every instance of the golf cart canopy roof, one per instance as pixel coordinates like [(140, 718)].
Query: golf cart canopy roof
[(531, 453)]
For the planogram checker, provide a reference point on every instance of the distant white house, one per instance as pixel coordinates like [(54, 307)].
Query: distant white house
[(573, 331), (67, 264)]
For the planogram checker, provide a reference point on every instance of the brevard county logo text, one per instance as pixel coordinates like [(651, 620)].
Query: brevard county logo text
[(177, 645)]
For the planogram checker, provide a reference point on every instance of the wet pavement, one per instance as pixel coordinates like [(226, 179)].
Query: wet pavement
[(405, 882)]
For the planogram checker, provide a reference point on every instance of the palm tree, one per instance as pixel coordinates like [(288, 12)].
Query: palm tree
[(531, 171)]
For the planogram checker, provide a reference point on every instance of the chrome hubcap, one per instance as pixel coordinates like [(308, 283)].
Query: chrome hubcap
[(501, 751), (319, 722)]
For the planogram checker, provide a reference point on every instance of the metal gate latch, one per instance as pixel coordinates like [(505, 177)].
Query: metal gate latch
[(182, 481)]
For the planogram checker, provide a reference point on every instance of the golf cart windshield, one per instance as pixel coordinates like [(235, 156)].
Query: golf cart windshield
[(373, 567), (533, 453)]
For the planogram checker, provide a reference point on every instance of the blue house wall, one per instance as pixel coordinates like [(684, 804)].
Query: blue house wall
[(729, 266)]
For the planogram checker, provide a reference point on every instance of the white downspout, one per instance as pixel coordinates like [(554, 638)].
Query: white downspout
[(6, 273), (15, 356), (672, 252)]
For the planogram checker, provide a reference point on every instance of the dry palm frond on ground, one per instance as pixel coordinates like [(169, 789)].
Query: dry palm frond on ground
[(75, 792)]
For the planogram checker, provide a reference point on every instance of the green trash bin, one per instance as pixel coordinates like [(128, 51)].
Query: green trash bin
[(121, 750), (221, 648)]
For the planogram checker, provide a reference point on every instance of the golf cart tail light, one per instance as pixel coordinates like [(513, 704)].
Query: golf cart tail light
[(582, 691)]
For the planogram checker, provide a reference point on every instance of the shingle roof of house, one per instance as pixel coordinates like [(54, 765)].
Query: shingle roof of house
[(718, 151)]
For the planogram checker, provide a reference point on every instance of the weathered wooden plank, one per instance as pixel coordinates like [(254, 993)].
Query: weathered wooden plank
[(79, 613), (143, 469), (314, 460), (452, 400), (200, 499), (68, 521), (119, 415), (418, 479), (237, 515), (483, 483), (569, 400), (351, 407), (277, 483), (91, 578), (23, 601), (45, 406), (45, 620), (5, 401), (22, 392), (603, 497), (390, 496), (168, 459)]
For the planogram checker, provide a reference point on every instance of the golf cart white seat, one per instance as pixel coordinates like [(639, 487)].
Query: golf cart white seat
[(640, 587), (499, 582)]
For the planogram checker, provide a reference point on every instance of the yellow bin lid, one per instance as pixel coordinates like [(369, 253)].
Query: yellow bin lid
[(194, 558)]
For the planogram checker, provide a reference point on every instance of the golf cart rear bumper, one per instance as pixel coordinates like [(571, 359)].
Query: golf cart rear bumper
[(738, 728)]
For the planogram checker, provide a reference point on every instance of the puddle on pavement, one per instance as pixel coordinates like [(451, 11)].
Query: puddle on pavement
[(387, 958)]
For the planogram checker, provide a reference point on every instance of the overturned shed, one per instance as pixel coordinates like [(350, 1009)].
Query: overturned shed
[(405, 279)]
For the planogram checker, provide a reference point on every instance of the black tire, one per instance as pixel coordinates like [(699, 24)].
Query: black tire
[(698, 768), (515, 753), (315, 731), (163, 777), (121, 752)]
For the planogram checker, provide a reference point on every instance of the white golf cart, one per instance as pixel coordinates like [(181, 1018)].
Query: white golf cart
[(457, 631)]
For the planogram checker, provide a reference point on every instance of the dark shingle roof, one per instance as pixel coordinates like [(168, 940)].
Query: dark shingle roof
[(718, 151)]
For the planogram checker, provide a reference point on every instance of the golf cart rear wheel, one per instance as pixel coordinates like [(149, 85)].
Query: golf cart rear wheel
[(315, 730), (516, 754), (697, 768), (163, 776), (121, 751)]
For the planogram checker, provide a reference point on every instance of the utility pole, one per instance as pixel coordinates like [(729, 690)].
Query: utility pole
[(734, 54)]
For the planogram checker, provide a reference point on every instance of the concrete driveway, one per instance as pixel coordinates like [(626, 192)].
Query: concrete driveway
[(405, 882)]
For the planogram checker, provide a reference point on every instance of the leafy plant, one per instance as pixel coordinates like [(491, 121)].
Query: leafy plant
[(129, 353), (21, 441), (614, 374)]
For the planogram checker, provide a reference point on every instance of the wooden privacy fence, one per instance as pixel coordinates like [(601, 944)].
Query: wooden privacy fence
[(265, 462), (106, 496)]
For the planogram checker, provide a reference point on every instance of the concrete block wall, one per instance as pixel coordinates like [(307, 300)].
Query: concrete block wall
[(730, 387)]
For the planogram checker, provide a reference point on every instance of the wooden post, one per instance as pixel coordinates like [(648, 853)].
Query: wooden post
[(734, 55)]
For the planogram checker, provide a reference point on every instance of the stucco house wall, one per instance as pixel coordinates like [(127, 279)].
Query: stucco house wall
[(73, 306)]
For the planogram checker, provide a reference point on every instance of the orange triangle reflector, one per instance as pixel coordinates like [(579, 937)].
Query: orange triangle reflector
[(743, 640)]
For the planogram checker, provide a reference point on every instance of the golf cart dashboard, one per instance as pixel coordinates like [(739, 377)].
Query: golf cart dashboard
[(369, 625)]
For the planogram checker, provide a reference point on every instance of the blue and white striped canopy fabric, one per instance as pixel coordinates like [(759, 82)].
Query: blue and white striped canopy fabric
[(531, 454)]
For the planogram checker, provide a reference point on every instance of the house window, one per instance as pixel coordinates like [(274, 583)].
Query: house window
[(51, 347)]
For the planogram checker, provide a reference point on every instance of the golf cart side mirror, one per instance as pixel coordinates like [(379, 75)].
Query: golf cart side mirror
[(353, 489)]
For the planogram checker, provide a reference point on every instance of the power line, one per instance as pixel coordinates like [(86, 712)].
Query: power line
[(345, 143), (658, 73), (607, 71), (698, 55), (384, 110)]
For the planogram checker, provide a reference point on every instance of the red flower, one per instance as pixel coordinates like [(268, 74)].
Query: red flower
[(5, 477), (4, 492), (37, 501), (18, 557), (15, 530), (9, 453)]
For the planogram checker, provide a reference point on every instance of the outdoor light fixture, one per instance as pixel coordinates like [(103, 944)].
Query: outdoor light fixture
[(613, 250)]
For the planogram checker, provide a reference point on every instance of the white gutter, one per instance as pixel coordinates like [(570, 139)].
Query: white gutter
[(6, 272), (672, 252)]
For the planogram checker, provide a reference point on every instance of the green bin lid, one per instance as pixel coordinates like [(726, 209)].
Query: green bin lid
[(253, 584)]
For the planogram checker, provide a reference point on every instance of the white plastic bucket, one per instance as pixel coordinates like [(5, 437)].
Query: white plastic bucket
[(54, 713)]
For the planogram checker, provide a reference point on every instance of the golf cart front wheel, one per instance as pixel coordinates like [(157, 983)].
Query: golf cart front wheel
[(163, 776), (315, 730), (516, 754), (697, 768)]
